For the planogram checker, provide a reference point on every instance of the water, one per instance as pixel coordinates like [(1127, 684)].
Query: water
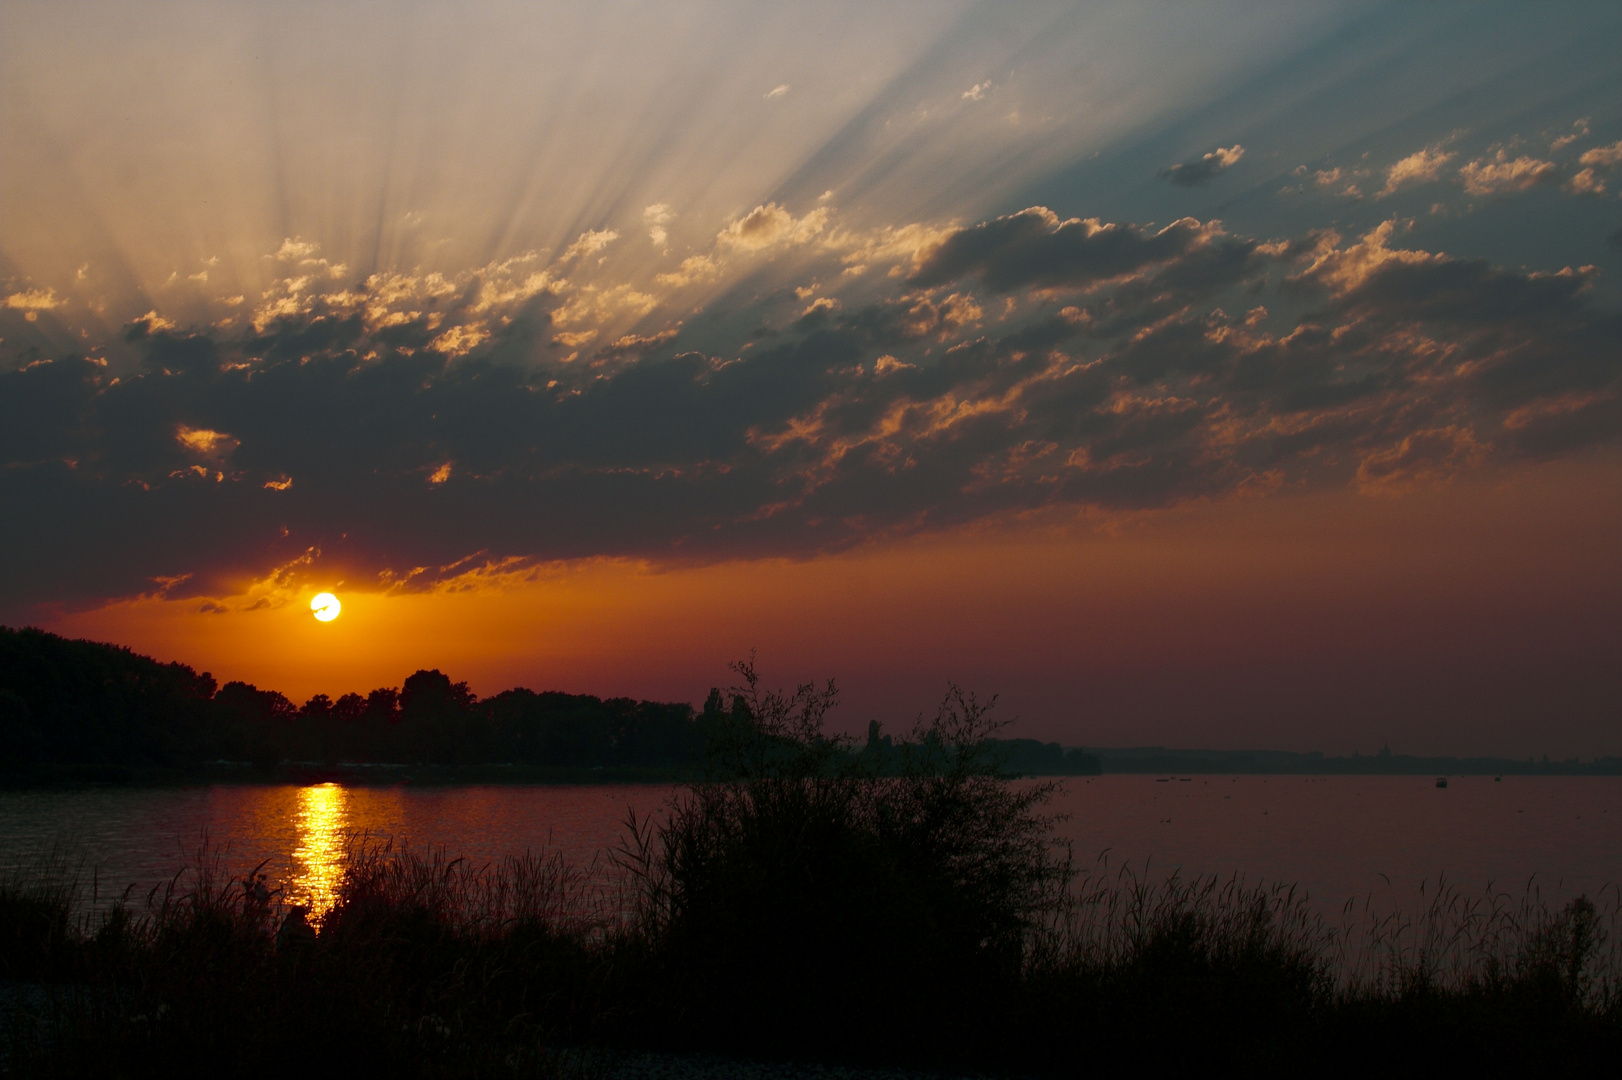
[(1347, 837), (1340, 838)]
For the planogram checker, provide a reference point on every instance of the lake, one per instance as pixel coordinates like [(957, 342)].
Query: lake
[(1338, 837)]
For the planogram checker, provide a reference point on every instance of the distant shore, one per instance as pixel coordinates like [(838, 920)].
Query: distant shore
[(1162, 760), (1133, 762)]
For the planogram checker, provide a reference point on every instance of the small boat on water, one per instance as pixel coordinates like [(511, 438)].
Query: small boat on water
[(1441, 781)]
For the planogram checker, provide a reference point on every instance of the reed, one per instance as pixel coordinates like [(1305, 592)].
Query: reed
[(1459, 940), (427, 966), (37, 902), (433, 966)]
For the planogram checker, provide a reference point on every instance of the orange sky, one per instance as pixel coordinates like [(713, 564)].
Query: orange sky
[(602, 326), (1289, 622)]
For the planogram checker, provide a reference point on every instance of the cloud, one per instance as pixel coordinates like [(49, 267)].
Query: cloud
[(1426, 458), (600, 304), (1202, 169), (573, 339), (460, 340), (1586, 182), (636, 345), (1499, 174), (1603, 156), (1115, 381), (507, 284), (1345, 269), (891, 243), (31, 300), (656, 217), (978, 91), (203, 441), (589, 243), (820, 304), (1035, 248), (770, 224), (766, 226), (1597, 162), (777, 91), (1578, 130), (694, 268), (1422, 167), (150, 323), (294, 249)]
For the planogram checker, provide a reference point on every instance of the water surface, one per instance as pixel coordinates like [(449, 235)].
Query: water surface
[(1338, 837)]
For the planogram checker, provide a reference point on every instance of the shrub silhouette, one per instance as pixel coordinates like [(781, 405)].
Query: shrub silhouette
[(799, 888)]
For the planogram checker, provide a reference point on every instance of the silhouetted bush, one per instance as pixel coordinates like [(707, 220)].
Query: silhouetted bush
[(800, 889)]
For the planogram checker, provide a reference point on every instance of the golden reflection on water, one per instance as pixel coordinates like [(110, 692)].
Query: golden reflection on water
[(322, 821)]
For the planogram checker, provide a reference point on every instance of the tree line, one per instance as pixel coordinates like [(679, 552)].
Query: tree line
[(76, 702)]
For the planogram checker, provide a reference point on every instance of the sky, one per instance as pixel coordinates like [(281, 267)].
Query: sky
[(1220, 375)]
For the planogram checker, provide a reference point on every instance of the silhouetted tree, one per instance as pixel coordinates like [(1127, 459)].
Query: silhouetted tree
[(82, 701), (260, 720), (20, 740), (436, 716), (85, 703)]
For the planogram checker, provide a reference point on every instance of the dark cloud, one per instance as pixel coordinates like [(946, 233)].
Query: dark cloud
[(635, 345), (1469, 292), (321, 446), (1034, 249)]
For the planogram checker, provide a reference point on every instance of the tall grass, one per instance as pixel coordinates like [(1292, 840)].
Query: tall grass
[(426, 966), (432, 966), (37, 900), (1218, 968), (802, 903), (1456, 940)]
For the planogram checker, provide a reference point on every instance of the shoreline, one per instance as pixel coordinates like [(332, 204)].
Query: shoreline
[(390, 774)]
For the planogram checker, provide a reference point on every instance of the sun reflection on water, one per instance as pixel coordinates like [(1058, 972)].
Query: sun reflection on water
[(322, 820)]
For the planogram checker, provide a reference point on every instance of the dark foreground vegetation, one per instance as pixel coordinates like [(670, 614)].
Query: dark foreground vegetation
[(803, 903)]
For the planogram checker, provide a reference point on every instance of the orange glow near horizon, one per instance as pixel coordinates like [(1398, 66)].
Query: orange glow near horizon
[(1246, 622)]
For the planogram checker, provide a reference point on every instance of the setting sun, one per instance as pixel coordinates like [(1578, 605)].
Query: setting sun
[(325, 606)]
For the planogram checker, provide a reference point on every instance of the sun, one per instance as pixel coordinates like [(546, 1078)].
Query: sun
[(325, 606)]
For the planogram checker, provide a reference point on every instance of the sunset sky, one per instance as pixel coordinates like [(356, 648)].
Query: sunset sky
[(1224, 375)]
